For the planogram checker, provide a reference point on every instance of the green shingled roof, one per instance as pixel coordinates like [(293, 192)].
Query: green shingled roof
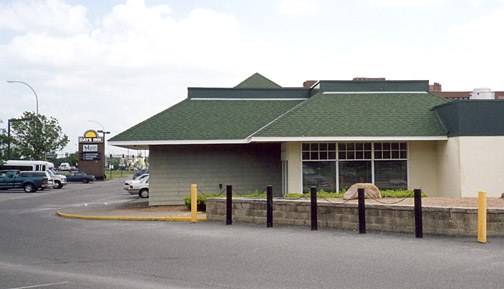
[(257, 81), (258, 107), (208, 120), (366, 114)]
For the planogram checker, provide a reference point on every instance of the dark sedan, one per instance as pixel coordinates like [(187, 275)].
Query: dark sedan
[(80, 177)]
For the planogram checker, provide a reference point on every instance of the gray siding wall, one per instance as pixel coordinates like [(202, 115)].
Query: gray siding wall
[(247, 168)]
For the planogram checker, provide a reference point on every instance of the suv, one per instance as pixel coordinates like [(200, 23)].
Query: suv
[(59, 180)]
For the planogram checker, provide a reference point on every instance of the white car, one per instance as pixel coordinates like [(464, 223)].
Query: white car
[(127, 183), (141, 188)]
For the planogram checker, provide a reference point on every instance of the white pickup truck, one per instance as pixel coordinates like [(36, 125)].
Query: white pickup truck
[(59, 180)]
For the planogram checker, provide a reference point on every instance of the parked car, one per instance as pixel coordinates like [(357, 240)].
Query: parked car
[(80, 177), (64, 167), (127, 183), (139, 173), (59, 180), (141, 188), (28, 181)]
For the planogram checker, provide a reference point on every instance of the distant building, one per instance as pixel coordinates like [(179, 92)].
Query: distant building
[(477, 93)]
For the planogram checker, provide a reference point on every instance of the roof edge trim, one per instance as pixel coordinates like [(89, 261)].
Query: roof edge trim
[(177, 142), (375, 92), (349, 138), (265, 99), (278, 139)]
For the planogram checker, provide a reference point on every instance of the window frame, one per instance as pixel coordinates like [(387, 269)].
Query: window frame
[(401, 151)]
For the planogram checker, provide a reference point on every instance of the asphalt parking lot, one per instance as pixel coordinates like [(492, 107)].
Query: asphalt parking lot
[(40, 249)]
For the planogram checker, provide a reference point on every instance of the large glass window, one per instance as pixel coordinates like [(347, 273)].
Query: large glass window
[(354, 163), (319, 174), (391, 175), (351, 172)]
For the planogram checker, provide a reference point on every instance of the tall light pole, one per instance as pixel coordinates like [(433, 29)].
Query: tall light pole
[(103, 133), (36, 97)]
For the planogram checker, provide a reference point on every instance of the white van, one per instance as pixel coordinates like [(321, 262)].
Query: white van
[(64, 167)]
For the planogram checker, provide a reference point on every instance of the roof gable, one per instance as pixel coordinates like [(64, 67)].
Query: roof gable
[(256, 80)]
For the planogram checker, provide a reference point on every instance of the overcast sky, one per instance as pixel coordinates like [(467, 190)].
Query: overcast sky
[(119, 62)]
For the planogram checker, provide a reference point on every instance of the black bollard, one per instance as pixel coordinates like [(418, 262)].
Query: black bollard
[(229, 204), (313, 192), (418, 213), (362, 212), (269, 206)]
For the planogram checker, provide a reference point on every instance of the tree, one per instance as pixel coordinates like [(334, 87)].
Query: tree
[(36, 137), (72, 159)]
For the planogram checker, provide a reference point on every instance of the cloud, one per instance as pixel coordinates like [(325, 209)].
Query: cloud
[(406, 3), (135, 62), (50, 16), (297, 7)]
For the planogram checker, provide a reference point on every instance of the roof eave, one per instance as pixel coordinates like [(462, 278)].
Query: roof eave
[(147, 143), (347, 138)]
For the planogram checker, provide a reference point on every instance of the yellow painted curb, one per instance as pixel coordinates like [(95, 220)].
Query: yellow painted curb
[(183, 219)]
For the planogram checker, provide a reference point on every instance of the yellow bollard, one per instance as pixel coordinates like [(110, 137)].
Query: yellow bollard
[(194, 203), (482, 217)]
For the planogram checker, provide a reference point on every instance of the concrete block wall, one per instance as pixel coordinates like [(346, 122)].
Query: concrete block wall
[(388, 218), (247, 168)]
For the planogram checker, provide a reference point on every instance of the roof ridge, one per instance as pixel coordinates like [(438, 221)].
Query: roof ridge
[(297, 106)]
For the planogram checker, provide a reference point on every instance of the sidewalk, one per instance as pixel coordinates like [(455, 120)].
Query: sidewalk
[(137, 210)]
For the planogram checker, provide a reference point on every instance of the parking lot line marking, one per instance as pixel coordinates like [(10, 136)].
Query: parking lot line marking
[(41, 285)]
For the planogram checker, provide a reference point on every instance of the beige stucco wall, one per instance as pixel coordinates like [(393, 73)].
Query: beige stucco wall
[(422, 167), (482, 165), (291, 151), (448, 167)]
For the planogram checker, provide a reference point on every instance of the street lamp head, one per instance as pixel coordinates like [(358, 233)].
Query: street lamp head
[(22, 82)]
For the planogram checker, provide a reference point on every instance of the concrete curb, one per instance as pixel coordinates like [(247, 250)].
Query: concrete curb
[(116, 218)]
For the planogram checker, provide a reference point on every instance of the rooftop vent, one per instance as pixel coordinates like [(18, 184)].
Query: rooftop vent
[(482, 93)]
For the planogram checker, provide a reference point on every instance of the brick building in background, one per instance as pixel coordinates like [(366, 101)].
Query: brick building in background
[(477, 93)]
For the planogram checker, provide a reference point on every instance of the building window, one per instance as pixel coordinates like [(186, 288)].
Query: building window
[(319, 151), (336, 166), (351, 172), (319, 174), (391, 175)]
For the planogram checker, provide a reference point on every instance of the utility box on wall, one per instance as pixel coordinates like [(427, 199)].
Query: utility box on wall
[(92, 154)]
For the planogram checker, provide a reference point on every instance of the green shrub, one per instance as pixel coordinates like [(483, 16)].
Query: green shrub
[(200, 201), (399, 194), (385, 194)]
